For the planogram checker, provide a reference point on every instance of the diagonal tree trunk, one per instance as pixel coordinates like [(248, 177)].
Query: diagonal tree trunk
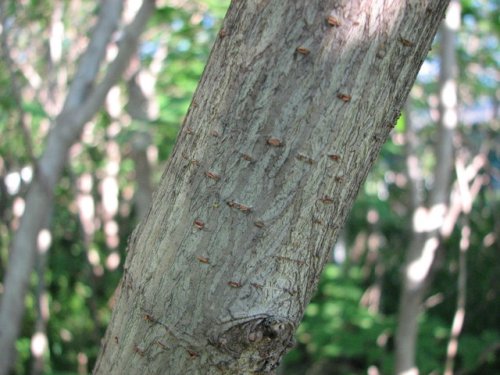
[(84, 99), (290, 114)]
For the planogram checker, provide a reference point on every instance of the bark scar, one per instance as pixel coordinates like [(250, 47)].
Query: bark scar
[(258, 342)]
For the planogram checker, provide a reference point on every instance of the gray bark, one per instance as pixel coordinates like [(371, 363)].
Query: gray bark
[(427, 221), (290, 114), (84, 99)]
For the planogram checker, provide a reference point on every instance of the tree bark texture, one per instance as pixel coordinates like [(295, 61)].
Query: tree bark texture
[(291, 112)]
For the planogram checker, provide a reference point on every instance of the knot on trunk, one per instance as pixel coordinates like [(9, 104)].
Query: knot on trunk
[(257, 344)]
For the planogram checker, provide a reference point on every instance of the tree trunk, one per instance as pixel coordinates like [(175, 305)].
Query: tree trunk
[(291, 112), (427, 221)]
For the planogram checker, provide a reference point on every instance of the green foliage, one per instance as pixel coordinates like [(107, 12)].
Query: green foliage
[(336, 326), (483, 349)]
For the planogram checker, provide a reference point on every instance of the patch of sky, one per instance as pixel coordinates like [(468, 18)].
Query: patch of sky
[(202, 37), (429, 71), (183, 45), (177, 24), (148, 48), (208, 21)]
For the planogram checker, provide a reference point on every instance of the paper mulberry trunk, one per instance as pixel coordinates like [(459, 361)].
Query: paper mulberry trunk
[(293, 107)]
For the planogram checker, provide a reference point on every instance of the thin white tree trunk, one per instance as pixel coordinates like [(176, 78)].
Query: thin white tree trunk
[(427, 221), (466, 189), (39, 341), (84, 99), (458, 318), (290, 114)]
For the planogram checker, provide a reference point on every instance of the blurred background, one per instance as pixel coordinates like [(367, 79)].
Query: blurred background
[(436, 182)]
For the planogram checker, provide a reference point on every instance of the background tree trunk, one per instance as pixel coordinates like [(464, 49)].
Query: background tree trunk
[(84, 99), (290, 114), (427, 221)]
